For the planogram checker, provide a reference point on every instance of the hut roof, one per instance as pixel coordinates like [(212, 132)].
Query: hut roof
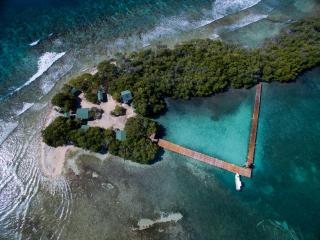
[(100, 95), (120, 135), (66, 114), (82, 113), (126, 96), (74, 91), (85, 127)]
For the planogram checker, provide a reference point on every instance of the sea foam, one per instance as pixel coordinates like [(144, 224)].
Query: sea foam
[(44, 63), (34, 43), (247, 20), (5, 129), (24, 108), (222, 8), (172, 25), (49, 81), (167, 27)]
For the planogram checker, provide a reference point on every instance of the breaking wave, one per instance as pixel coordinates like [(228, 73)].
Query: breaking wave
[(44, 63), (48, 82), (247, 20), (172, 25), (34, 43), (166, 28), (24, 108), (222, 8)]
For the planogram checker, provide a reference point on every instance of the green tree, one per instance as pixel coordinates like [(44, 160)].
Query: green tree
[(66, 101), (58, 132)]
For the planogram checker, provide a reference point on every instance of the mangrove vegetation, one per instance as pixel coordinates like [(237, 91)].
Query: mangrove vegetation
[(194, 68)]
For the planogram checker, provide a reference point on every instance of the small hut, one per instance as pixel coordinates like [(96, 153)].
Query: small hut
[(82, 113), (74, 91), (101, 96), (120, 135), (85, 127), (126, 96), (66, 114)]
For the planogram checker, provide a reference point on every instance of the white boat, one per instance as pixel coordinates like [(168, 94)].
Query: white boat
[(238, 182)]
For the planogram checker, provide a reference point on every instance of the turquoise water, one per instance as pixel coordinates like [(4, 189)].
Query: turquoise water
[(287, 172), (218, 126), (282, 198), (280, 202)]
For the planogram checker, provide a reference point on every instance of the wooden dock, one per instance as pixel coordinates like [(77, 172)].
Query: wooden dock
[(243, 171), (204, 158), (254, 127)]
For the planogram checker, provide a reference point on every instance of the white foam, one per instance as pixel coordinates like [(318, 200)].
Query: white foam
[(222, 8), (39, 106), (44, 63), (247, 21), (34, 43), (24, 108), (5, 129), (146, 223), (214, 36), (47, 86), (169, 26), (49, 81)]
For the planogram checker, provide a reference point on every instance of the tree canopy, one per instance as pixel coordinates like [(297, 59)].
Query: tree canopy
[(194, 68), (137, 146), (66, 101), (204, 67)]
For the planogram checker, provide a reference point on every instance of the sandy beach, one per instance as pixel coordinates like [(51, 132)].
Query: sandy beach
[(52, 159)]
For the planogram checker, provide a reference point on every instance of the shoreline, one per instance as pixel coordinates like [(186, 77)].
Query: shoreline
[(52, 159)]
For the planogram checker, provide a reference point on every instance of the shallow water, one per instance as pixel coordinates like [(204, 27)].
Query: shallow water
[(286, 175), (218, 126)]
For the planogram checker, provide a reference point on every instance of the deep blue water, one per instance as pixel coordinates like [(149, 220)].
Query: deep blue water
[(74, 25), (280, 202)]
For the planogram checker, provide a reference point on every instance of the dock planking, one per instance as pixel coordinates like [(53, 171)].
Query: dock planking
[(246, 172), (254, 126), (243, 171)]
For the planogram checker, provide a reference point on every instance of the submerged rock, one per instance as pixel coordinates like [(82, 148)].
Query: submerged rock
[(146, 223)]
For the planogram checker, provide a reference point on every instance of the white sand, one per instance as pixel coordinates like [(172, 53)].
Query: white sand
[(107, 120), (52, 160)]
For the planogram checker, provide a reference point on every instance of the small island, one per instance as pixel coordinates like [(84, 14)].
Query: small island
[(136, 86)]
